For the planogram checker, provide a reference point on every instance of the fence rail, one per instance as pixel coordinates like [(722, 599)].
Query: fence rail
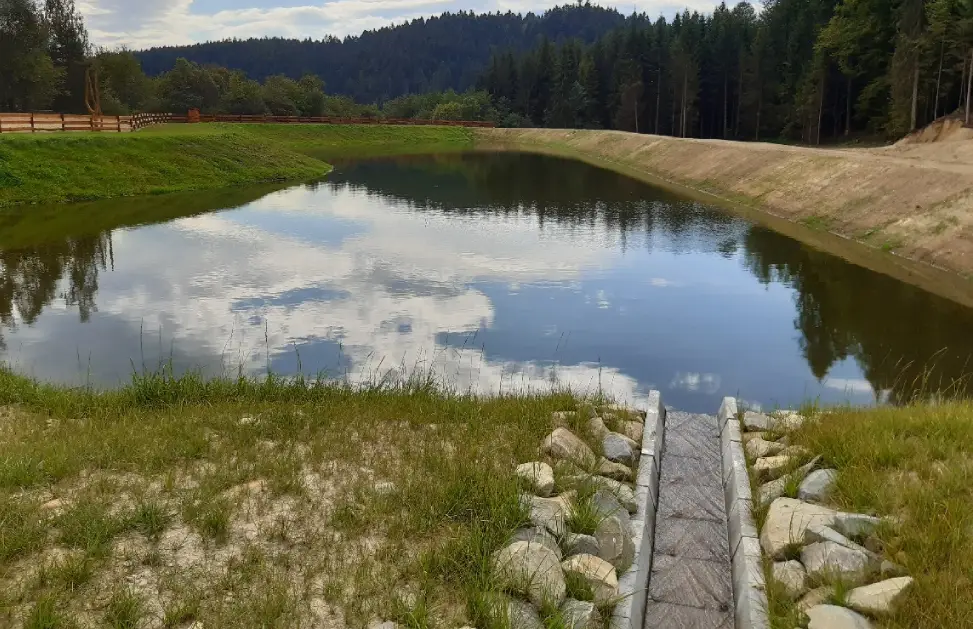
[(50, 123)]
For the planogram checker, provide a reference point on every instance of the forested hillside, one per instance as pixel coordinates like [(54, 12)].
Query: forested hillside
[(425, 55), (799, 69)]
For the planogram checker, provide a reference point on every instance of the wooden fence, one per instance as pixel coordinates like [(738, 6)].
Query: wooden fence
[(48, 123)]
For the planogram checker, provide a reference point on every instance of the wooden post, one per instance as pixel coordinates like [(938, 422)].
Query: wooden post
[(62, 123), (118, 120), (32, 129)]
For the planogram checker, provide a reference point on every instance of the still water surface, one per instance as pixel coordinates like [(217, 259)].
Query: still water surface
[(494, 271)]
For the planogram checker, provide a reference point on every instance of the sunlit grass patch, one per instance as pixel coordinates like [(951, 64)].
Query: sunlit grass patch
[(278, 502), (914, 463)]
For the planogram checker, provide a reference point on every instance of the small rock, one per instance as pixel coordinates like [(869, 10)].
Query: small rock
[(550, 513), (247, 420), (632, 430), (619, 449), (520, 615), (787, 420), (539, 475), (624, 493), (834, 617), (828, 560), (786, 522), (562, 419), (599, 574), (52, 505), (605, 504), (888, 569), (615, 543), (856, 524), (773, 490), (792, 576), (749, 436), (817, 596), (817, 486), (577, 544), (818, 533), (759, 448), (563, 444), (536, 535), (580, 615), (757, 421), (597, 428), (771, 467), (616, 471), (879, 598), (531, 568), (388, 624)]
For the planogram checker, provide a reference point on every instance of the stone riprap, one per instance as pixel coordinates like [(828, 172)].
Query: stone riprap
[(833, 546), (601, 469)]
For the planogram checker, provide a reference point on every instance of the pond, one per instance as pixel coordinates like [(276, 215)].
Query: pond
[(489, 272)]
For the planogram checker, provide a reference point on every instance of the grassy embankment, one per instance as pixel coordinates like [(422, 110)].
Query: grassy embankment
[(62, 167), (246, 504), (914, 463)]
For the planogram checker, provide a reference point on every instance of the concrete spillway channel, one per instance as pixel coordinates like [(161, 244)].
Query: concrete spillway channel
[(693, 568)]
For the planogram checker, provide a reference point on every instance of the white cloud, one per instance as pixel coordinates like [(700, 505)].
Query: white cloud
[(115, 23), (694, 382)]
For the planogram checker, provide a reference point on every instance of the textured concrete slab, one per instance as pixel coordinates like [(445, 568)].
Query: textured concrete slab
[(693, 539), (672, 616), (690, 585)]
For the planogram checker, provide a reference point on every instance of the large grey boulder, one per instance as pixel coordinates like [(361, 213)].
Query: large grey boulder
[(787, 420), (598, 573), (521, 615), (597, 428), (787, 520), (536, 535), (792, 576), (818, 533), (757, 421), (826, 561), (616, 471), (619, 449), (817, 486), (759, 448), (633, 430), (580, 615), (856, 524), (539, 475), (550, 513), (615, 543), (563, 444), (578, 544), (605, 504), (834, 617), (533, 569), (768, 492), (879, 598), (771, 467)]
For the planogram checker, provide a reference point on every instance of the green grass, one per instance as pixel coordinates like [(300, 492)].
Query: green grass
[(914, 463), (247, 524), (65, 167)]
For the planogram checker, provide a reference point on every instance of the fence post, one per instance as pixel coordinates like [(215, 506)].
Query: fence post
[(32, 129), (118, 121)]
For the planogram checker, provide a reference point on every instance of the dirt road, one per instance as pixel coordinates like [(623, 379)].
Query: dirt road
[(915, 200)]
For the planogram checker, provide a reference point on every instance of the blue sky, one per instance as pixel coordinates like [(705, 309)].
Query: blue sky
[(142, 23)]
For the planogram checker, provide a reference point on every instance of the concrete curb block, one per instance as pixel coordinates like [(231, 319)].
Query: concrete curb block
[(634, 584), (749, 588)]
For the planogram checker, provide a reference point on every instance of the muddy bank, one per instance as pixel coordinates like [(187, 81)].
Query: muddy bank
[(900, 199)]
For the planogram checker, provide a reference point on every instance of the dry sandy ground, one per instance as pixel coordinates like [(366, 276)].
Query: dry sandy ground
[(914, 198)]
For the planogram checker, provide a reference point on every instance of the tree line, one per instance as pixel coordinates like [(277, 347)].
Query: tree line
[(47, 53), (800, 69)]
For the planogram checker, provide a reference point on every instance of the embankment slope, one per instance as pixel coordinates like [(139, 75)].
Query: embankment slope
[(62, 167), (899, 199)]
